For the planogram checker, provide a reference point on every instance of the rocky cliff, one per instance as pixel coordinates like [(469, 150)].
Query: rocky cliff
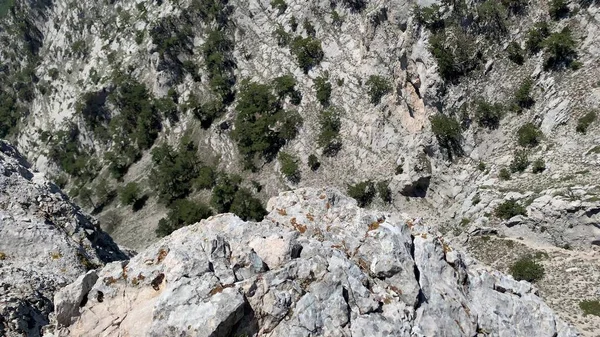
[(480, 117), (317, 265), (46, 243)]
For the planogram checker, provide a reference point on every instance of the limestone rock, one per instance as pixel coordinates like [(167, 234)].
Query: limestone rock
[(317, 265), (47, 242)]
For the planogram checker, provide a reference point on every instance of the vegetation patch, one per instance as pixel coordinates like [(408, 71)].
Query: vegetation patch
[(182, 213), (520, 161), (528, 269), (364, 192), (323, 88), (560, 51), (308, 52), (510, 208), (262, 126), (448, 133), (529, 135), (174, 171), (584, 122), (590, 307), (377, 87), (488, 114), (330, 126), (289, 167)]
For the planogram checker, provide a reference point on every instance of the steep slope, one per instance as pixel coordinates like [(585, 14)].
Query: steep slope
[(365, 98), (46, 243), (317, 265)]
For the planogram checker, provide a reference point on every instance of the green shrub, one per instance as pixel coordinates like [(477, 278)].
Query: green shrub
[(104, 193), (293, 24), (79, 48), (308, 52), (129, 194), (167, 108), (515, 53), (323, 88), (309, 28), (206, 112), (262, 126), (289, 167), (504, 174), (121, 158), (9, 114), (92, 107), (488, 115), (313, 162), (448, 133), (481, 166), (283, 38), (456, 53), (170, 39), (523, 97), (591, 307), (330, 125), (206, 178), (5, 7), (363, 192), (539, 165), (223, 193), (527, 269), (584, 122), (336, 18), (529, 135), (285, 86), (139, 36), (377, 87), (430, 17), (247, 207), (559, 50), (384, 191), (228, 196), (217, 51), (280, 5), (536, 37), (174, 171), (509, 209), (138, 118), (520, 161), (85, 197), (67, 153), (491, 18), (182, 213), (558, 9)]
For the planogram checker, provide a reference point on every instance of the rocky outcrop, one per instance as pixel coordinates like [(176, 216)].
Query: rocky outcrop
[(46, 243), (317, 265)]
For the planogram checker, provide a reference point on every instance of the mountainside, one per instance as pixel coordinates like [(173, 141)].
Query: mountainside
[(46, 244), (477, 117), (317, 265)]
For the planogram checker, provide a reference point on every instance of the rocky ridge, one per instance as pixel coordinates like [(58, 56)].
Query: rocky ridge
[(46, 243), (316, 265)]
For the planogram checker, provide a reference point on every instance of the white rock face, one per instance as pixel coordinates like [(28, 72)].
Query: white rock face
[(318, 265), (45, 243)]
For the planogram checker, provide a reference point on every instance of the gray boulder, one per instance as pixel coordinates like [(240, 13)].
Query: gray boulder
[(317, 265)]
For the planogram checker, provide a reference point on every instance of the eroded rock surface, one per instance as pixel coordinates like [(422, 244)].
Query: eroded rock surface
[(45, 244), (317, 265)]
